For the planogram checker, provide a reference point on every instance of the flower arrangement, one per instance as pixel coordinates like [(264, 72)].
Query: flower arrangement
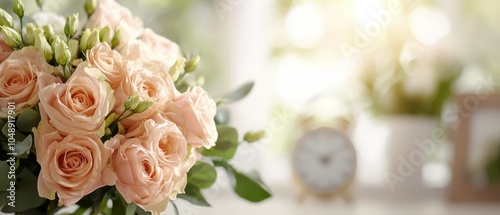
[(106, 116), (398, 75)]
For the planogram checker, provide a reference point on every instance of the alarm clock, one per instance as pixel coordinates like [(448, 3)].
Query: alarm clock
[(324, 163)]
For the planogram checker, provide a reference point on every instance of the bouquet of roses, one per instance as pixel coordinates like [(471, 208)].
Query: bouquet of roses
[(107, 116)]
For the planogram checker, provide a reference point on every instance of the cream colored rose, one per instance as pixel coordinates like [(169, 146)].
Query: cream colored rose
[(118, 17), (194, 113), (71, 166), (5, 50), (155, 52), (22, 74), (110, 63), (149, 86), (164, 50), (180, 178), (140, 177), (81, 104)]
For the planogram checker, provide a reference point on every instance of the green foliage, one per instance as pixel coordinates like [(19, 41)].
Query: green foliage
[(492, 168), (193, 194), (247, 186), (202, 175), (27, 120), (226, 144), (222, 117), (26, 193), (239, 93)]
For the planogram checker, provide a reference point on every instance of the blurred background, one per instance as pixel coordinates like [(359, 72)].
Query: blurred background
[(384, 72)]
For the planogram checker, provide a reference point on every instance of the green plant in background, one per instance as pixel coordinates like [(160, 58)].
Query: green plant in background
[(401, 76), (492, 168), (389, 89)]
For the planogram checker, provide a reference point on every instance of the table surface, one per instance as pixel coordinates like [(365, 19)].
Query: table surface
[(364, 203)]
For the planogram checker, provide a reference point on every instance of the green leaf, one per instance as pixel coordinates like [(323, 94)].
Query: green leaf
[(226, 144), (193, 194), (26, 193), (249, 187), (202, 175), (222, 116), (4, 172), (238, 94), (104, 203), (119, 205), (23, 148), (131, 209), (28, 119), (18, 136), (140, 211), (176, 210)]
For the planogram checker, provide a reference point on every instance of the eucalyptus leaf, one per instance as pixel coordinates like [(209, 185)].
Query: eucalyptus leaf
[(28, 119), (193, 194), (140, 211), (23, 148), (4, 172), (119, 206), (202, 175), (247, 186), (176, 210), (18, 136), (131, 209), (239, 93), (26, 193), (222, 116), (226, 144)]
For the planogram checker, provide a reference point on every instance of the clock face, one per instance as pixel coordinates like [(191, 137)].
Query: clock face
[(324, 160)]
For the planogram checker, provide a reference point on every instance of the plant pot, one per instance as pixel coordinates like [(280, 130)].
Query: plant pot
[(409, 143)]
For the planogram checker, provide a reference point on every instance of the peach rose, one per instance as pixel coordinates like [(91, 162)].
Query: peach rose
[(22, 74), (149, 86), (194, 113), (81, 104), (164, 138), (153, 51), (140, 177), (118, 17), (5, 50), (164, 50), (180, 179), (170, 147), (110, 63), (71, 166)]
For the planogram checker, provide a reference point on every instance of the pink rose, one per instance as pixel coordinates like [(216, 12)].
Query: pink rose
[(81, 104), (194, 113), (71, 166), (164, 50), (118, 17), (140, 177), (164, 138), (110, 63), (149, 86), (5, 50), (153, 51), (22, 74)]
